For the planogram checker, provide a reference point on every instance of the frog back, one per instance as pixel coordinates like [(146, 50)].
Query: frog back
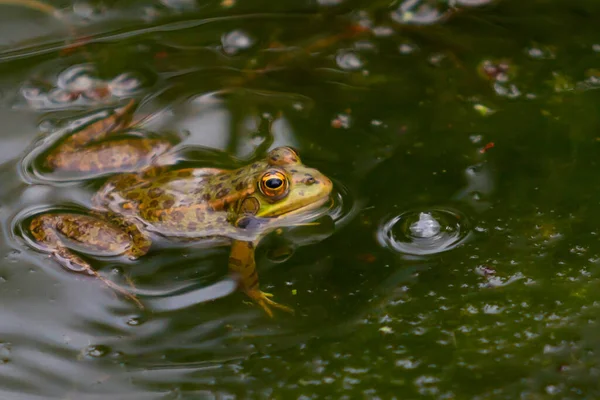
[(193, 202)]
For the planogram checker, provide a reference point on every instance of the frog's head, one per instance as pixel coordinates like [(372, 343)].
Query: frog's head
[(286, 187)]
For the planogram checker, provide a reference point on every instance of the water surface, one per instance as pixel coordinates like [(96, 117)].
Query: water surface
[(462, 260)]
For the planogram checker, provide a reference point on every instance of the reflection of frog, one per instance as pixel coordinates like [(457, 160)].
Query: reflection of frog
[(188, 204)]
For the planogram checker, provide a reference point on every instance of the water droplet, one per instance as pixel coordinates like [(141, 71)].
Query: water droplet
[(423, 232), (135, 321), (425, 227), (87, 10), (348, 60), (96, 351), (235, 41), (124, 85), (78, 78), (407, 48), (383, 31), (418, 12), (32, 93)]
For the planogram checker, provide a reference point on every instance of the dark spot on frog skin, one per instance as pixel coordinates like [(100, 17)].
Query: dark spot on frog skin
[(206, 197), (223, 178), (155, 192), (199, 215), (240, 186), (219, 186), (255, 166), (222, 193), (168, 203), (153, 204), (192, 226), (177, 216)]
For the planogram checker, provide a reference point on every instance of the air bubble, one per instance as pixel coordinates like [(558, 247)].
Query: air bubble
[(424, 232)]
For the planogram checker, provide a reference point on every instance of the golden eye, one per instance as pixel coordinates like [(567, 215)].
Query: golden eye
[(274, 185)]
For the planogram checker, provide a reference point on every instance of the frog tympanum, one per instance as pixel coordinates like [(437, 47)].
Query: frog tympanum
[(181, 204)]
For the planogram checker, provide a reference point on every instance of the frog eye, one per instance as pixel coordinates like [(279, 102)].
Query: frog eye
[(274, 185)]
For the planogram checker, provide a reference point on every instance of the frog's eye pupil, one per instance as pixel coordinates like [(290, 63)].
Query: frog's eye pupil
[(273, 183)]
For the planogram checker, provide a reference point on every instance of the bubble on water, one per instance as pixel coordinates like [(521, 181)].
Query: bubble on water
[(135, 321), (235, 41), (124, 85), (87, 9), (418, 12), (425, 227), (424, 232), (59, 96), (96, 351), (31, 93), (348, 60), (407, 48), (78, 78), (5, 352)]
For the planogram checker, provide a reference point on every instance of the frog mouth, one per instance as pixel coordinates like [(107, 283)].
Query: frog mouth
[(289, 212)]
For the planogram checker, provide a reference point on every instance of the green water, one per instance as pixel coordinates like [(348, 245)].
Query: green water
[(481, 116)]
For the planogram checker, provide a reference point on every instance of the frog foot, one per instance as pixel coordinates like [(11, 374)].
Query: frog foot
[(263, 299)]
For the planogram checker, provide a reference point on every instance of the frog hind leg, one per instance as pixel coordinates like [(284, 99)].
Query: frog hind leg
[(243, 267), (88, 232), (94, 147), (122, 155)]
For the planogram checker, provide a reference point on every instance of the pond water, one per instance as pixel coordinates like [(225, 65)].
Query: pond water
[(460, 259)]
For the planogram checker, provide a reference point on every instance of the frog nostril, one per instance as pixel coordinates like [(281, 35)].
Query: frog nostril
[(309, 180)]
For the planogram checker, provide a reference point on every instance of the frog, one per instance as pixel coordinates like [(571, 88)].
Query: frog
[(143, 197)]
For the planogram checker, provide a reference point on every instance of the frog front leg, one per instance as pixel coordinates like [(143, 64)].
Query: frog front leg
[(58, 233), (243, 266)]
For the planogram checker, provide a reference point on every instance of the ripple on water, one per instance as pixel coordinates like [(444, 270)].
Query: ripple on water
[(82, 85), (424, 231)]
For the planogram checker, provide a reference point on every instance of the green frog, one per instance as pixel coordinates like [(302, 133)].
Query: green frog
[(188, 204)]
